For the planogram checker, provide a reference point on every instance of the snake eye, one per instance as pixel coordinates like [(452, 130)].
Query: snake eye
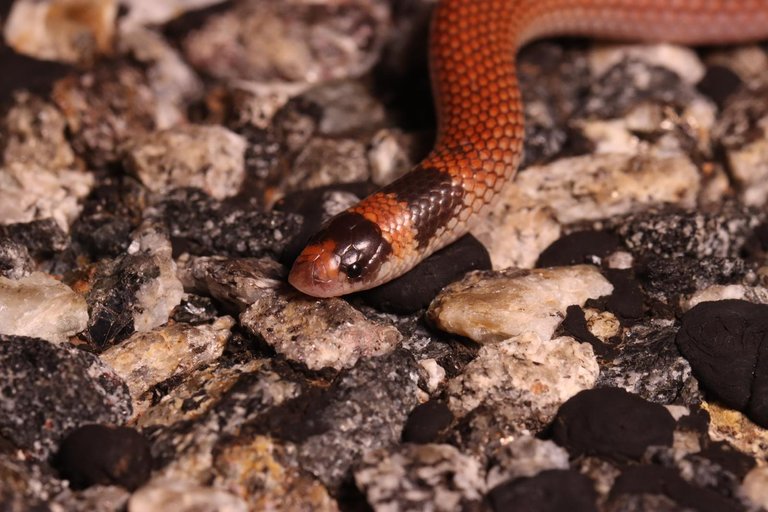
[(354, 270)]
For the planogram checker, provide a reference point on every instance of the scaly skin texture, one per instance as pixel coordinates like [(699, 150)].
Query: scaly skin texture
[(480, 124)]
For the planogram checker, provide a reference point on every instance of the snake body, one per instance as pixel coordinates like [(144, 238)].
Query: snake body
[(480, 124)]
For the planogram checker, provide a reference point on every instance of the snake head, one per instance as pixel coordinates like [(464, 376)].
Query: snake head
[(345, 257)]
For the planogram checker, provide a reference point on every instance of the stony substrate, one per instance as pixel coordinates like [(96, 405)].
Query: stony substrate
[(597, 343)]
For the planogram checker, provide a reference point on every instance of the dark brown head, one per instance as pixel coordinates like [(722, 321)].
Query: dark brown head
[(349, 255)]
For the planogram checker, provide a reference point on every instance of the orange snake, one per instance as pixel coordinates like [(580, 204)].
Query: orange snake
[(480, 124)]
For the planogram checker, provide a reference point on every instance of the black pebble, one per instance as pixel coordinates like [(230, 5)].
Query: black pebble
[(719, 83), (726, 344), (426, 422), (24, 72), (579, 247), (549, 491), (650, 479), (416, 289), (575, 324), (627, 299), (97, 454), (613, 423)]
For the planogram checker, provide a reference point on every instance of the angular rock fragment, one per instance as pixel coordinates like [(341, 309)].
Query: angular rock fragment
[(418, 477), (523, 380), (318, 333), (135, 292), (235, 282), (15, 261), (50, 390), (492, 306), (524, 457), (183, 496), (40, 306), (210, 158), (147, 358)]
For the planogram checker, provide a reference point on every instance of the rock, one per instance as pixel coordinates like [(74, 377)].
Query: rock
[(265, 475), (105, 109), (147, 358), (15, 261), (26, 485), (491, 306), (719, 83), (63, 30), (359, 412), (516, 230), (111, 212), (41, 306), (100, 455), (99, 498), (550, 490), (683, 61), (210, 158), (184, 497), (171, 79), (147, 12), (419, 477), (289, 42), (525, 457), (200, 390), (648, 364), (31, 193), (426, 422), (50, 390), (235, 282), (328, 161), (318, 333), (723, 341), (415, 289), (581, 247), (650, 480), (598, 186), (347, 107), (524, 379), (389, 156), (714, 293), (191, 426), (203, 226), (612, 423), (42, 238), (750, 172), (755, 487), (136, 292), (682, 251)]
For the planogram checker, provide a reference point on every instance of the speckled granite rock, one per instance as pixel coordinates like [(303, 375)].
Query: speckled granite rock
[(39, 305), (147, 358), (49, 390), (135, 292), (523, 380), (492, 306), (318, 333), (210, 158), (420, 477), (15, 261)]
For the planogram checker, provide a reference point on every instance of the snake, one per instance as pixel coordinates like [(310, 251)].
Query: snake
[(480, 132)]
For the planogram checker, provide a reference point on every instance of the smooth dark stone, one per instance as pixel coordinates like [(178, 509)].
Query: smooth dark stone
[(23, 72), (627, 299), (613, 423), (549, 491), (726, 344), (579, 247), (719, 83), (416, 289), (650, 479), (728, 458), (101, 455), (426, 422)]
